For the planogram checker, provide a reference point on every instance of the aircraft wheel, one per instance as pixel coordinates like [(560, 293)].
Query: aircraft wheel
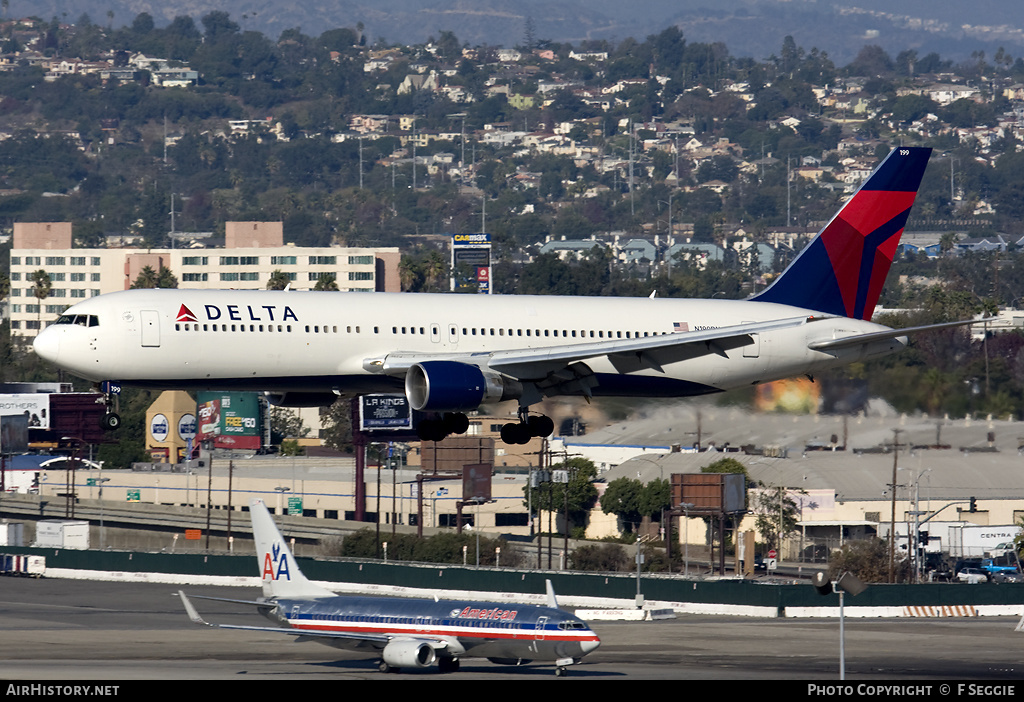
[(448, 665), (111, 421), (386, 667), (431, 430), (456, 422), (560, 671), (541, 425), (515, 433)]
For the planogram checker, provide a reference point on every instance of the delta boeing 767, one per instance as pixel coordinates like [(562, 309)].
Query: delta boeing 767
[(452, 353)]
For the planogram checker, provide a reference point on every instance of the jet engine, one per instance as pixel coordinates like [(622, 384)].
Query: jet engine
[(451, 386), (408, 654), (300, 399)]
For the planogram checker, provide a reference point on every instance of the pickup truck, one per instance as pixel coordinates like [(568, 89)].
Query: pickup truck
[(1001, 565)]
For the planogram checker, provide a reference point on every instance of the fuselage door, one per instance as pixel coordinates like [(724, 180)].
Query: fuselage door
[(541, 623), (753, 350), (150, 327)]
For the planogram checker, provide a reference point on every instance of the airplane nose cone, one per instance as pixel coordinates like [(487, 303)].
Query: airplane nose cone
[(588, 646), (47, 345)]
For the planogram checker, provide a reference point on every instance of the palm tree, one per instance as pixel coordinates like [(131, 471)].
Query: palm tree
[(434, 269), (326, 281), (41, 287), (279, 280), (408, 273)]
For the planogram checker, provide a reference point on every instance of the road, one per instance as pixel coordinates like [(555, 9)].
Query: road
[(53, 630)]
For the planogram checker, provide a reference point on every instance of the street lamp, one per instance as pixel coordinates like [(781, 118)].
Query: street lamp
[(847, 582)]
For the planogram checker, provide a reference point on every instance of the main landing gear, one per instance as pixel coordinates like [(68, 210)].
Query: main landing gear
[(439, 428), (526, 428)]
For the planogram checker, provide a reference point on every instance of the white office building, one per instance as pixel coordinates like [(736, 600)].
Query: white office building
[(252, 253)]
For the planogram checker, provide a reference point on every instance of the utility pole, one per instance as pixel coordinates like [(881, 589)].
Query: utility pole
[(892, 523)]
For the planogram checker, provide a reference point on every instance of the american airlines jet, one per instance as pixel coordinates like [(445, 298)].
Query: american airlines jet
[(408, 633), (452, 353)]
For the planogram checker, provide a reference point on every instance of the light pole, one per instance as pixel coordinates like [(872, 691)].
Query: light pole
[(686, 537), (100, 481)]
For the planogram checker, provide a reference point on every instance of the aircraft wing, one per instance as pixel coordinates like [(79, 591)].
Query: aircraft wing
[(538, 363), (532, 364), (301, 634)]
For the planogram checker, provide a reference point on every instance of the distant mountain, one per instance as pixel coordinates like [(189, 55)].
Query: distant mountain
[(755, 28)]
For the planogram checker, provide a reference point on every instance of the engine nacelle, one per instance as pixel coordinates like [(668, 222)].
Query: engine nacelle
[(300, 399), (408, 654), (451, 386)]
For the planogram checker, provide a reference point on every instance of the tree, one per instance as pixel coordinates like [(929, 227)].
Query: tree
[(579, 493), (337, 425), (777, 515), (726, 465), (622, 498), (41, 287), (278, 280), (286, 424), (148, 278), (631, 500), (326, 281)]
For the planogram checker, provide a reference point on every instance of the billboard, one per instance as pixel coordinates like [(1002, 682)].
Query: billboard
[(33, 405), (385, 413), (471, 263), (229, 420)]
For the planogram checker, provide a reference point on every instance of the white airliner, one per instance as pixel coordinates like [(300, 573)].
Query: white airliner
[(452, 353), (408, 633)]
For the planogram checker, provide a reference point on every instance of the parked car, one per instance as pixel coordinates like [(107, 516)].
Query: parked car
[(972, 576), (1007, 577)]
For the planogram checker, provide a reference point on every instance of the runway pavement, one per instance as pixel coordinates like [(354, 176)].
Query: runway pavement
[(63, 630)]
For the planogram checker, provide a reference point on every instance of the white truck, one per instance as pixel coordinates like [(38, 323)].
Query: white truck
[(973, 541), (62, 533)]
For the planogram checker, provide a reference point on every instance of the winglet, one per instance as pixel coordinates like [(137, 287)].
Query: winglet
[(191, 611), (552, 600)]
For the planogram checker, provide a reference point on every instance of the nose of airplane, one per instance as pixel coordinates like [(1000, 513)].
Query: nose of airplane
[(47, 345), (590, 645)]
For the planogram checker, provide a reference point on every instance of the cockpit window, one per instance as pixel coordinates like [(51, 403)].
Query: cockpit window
[(82, 320)]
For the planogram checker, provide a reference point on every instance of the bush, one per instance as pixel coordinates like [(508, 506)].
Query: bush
[(441, 548), (867, 559), (600, 557)]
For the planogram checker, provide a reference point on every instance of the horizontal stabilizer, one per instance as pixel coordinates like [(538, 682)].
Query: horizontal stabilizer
[(861, 339)]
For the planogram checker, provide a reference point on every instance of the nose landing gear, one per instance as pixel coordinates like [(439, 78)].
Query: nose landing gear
[(111, 420)]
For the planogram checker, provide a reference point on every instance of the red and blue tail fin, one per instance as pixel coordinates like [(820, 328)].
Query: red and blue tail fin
[(843, 269)]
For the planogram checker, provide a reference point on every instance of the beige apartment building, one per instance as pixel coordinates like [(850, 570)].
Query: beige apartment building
[(252, 252)]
